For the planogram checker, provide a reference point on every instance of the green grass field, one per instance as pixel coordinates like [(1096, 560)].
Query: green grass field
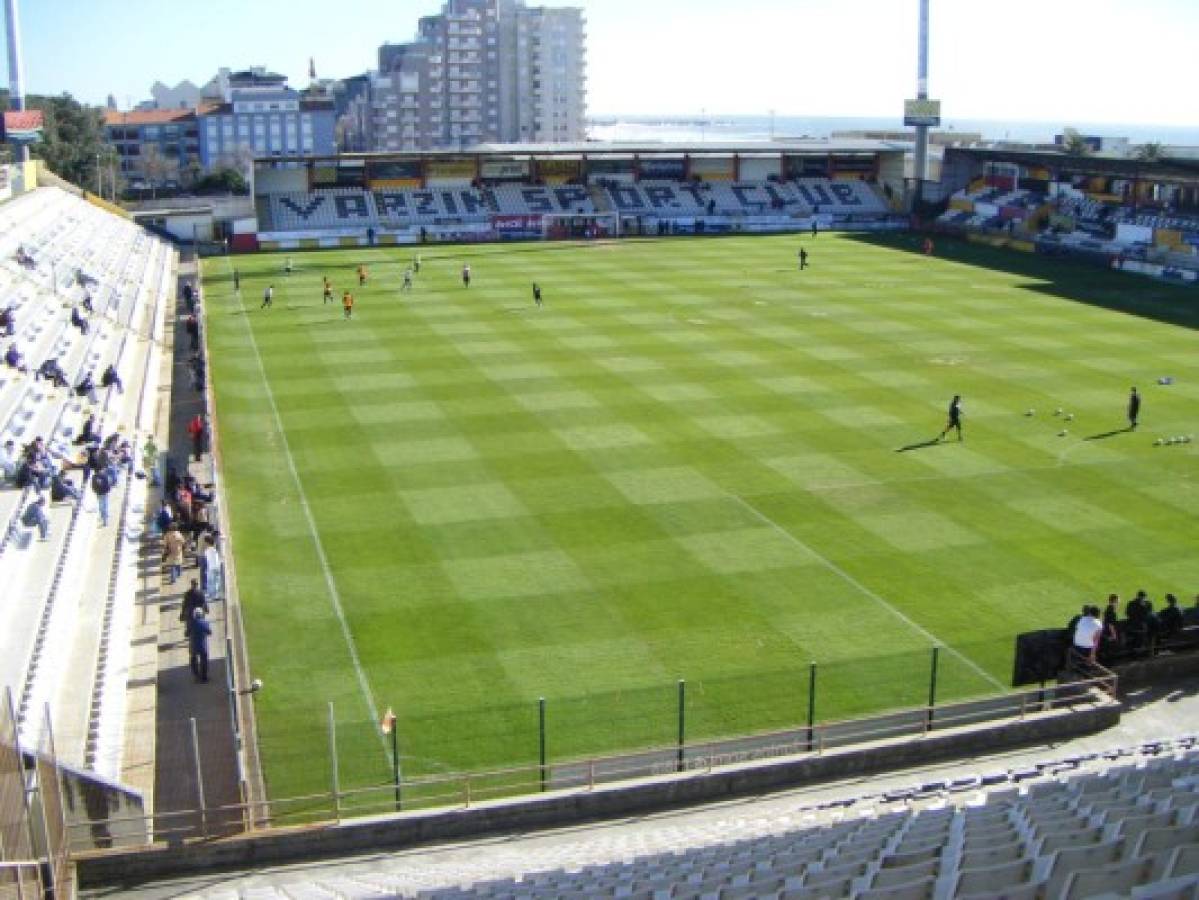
[(684, 466)]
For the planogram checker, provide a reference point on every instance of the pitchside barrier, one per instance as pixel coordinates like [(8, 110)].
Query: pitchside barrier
[(333, 762), (342, 798)]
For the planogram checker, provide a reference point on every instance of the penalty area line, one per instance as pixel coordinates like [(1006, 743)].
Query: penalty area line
[(865, 591)]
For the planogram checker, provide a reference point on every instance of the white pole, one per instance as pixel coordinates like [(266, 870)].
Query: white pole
[(199, 779), (333, 762)]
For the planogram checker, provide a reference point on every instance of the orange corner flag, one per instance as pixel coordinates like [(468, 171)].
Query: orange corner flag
[(388, 723)]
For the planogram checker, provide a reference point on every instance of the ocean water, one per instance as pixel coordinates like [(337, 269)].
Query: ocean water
[(696, 129)]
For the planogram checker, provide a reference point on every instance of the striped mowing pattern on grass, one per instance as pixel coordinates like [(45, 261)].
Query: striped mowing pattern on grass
[(683, 466)]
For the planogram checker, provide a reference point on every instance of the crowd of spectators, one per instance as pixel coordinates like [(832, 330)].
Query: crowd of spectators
[(1101, 635)]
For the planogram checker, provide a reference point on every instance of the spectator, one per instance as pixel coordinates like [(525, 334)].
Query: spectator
[(163, 518), (198, 429), (1112, 638), (1087, 633), (192, 326), (110, 378), (52, 371), (86, 388), (198, 633), (8, 321), (172, 552), (1138, 613), (1170, 619), (88, 434), (14, 360), (102, 487), (212, 568), (150, 460), (62, 488), (87, 304), (78, 321), (35, 517), (193, 599), (8, 461)]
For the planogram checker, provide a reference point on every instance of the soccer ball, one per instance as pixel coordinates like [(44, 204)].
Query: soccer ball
[(1031, 412), (1058, 411), (1062, 433), (1069, 417), (1157, 443), (256, 685)]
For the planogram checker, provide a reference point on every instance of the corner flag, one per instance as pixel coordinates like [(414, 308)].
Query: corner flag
[(388, 723)]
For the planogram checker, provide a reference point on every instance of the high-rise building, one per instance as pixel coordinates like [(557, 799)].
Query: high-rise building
[(482, 71)]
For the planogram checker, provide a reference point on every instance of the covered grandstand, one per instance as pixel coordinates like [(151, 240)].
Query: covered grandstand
[(522, 191)]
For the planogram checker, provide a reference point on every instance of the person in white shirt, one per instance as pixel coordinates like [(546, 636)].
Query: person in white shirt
[(8, 461), (1087, 633)]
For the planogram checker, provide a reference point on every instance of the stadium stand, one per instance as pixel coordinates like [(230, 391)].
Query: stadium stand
[(66, 620), (745, 198), (518, 199), (1119, 823), (349, 211), (325, 209)]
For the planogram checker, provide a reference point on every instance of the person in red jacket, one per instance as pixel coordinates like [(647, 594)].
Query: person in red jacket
[(198, 429)]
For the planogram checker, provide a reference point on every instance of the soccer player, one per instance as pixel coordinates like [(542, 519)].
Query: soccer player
[(347, 304), (361, 276), (928, 246), (815, 228), (268, 296), (328, 289), (1134, 409), (803, 259), (236, 280), (955, 418), (537, 294), (416, 264), (466, 276), (407, 285), (287, 266)]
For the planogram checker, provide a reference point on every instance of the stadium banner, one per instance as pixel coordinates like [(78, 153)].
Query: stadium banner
[(664, 169), (505, 170), (22, 126), (392, 184), (558, 171), (922, 112), (451, 169), (713, 168), (516, 226)]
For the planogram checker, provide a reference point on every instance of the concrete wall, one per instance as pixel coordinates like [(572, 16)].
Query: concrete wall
[(564, 808)]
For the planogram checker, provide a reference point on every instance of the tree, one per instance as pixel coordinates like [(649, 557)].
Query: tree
[(1151, 152), (72, 136), (1074, 143), (158, 167)]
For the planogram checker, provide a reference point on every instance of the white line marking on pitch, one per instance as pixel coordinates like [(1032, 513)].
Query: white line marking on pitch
[(849, 579), (330, 583)]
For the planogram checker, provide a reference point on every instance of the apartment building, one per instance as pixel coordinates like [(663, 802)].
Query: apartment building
[(482, 71)]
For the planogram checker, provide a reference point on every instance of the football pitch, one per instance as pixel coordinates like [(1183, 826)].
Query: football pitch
[(694, 462)]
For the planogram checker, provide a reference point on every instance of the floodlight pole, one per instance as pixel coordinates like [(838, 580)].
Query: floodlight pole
[(920, 170), (16, 69)]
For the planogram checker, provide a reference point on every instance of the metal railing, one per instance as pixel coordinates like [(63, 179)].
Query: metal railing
[(465, 789)]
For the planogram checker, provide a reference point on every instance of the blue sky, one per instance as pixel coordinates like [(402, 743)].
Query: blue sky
[(1128, 61)]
